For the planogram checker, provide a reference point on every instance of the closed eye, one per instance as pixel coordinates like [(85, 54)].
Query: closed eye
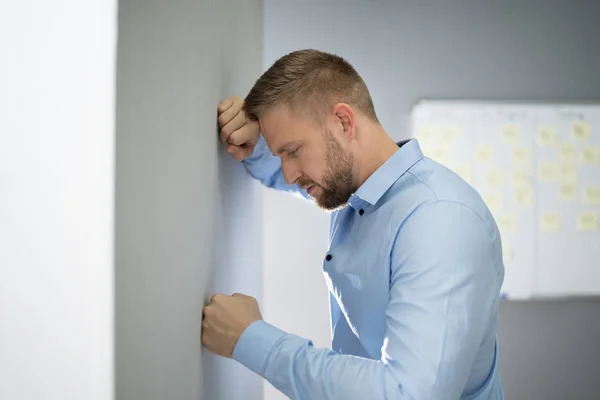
[(293, 153)]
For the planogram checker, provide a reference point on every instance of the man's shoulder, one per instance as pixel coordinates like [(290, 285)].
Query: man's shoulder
[(429, 182)]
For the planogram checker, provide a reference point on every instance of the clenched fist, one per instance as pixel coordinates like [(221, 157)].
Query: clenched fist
[(236, 130), (225, 318)]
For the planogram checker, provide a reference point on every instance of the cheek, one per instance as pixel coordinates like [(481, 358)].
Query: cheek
[(314, 166), (314, 173)]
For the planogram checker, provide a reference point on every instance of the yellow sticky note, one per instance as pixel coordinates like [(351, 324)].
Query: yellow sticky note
[(510, 134), (521, 177), (524, 196), (546, 136), (506, 251), (589, 155), (493, 201), (567, 191), (547, 171), (484, 153), (521, 155), (425, 132), (591, 195), (464, 171), (587, 221), (566, 151), (449, 133), (495, 177), (567, 172), (506, 223), (581, 130), (550, 222)]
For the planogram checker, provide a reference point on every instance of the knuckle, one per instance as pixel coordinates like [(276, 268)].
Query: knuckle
[(235, 139), (225, 131)]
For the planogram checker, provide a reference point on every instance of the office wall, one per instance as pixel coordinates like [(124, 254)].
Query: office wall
[(510, 50), (187, 216), (56, 199)]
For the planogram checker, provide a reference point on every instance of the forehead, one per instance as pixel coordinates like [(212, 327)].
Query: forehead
[(282, 126)]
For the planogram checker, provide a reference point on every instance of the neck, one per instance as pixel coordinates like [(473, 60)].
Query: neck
[(375, 148)]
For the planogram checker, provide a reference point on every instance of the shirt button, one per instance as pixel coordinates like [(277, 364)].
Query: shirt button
[(361, 211), (328, 258)]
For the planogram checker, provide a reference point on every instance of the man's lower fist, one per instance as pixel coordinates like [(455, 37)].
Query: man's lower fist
[(224, 320)]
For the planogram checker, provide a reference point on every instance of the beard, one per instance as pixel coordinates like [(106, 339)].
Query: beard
[(338, 183)]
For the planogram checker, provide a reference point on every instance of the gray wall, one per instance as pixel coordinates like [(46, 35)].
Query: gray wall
[(187, 216), (542, 50)]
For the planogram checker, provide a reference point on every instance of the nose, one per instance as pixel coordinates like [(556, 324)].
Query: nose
[(291, 172)]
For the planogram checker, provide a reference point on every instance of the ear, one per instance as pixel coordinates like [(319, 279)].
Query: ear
[(346, 118)]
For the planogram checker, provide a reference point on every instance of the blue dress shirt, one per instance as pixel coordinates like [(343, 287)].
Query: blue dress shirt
[(414, 270)]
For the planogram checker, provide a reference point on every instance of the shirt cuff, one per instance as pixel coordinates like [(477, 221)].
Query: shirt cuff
[(255, 345), (259, 150)]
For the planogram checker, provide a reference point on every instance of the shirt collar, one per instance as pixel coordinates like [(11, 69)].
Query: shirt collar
[(386, 175)]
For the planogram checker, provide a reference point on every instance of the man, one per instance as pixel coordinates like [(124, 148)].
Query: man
[(414, 266)]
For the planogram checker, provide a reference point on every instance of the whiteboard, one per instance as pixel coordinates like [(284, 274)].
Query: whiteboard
[(537, 168)]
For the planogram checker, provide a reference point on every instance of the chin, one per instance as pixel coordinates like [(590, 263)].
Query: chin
[(328, 206)]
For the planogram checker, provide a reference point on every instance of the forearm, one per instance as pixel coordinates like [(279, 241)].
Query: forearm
[(299, 370)]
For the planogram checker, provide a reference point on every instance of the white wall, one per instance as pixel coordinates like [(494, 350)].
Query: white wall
[(187, 215), (406, 51), (56, 199), (182, 223)]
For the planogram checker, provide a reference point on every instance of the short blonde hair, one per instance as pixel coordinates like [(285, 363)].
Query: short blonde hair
[(309, 80)]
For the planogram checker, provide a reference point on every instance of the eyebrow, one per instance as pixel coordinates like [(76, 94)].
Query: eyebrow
[(287, 146)]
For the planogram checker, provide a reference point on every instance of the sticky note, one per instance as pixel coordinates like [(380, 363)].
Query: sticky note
[(567, 191), (484, 153), (506, 251), (546, 136), (495, 177), (425, 132), (567, 172), (550, 222), (493, 201), (547, 171), (464, 171), (449, 133), (581, 130), (506, 223), (590, 155), (566, 151), (521, 155), (510, 134), (591, 195), (524, 196), (587, 221), (520, 177)]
